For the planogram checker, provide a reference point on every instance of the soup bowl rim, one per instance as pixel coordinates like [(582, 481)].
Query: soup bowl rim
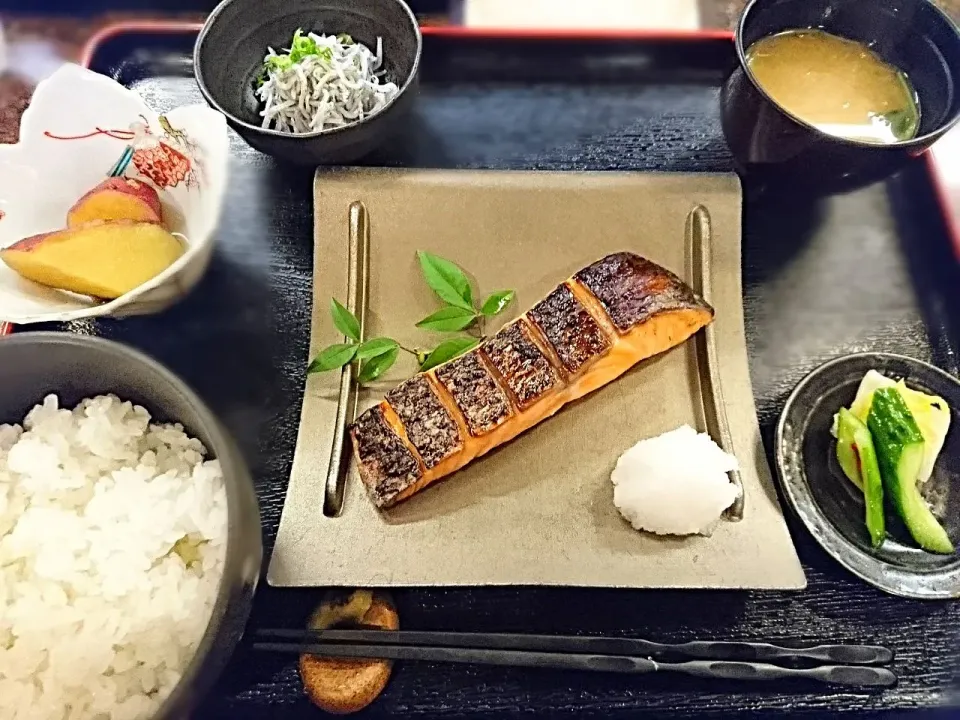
[(920, 141)]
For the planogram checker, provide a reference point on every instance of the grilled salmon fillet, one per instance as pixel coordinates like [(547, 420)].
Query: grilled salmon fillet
[(586, 333)]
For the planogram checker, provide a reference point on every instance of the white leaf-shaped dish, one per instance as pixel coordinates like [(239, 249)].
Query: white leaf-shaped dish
[(78, 127)]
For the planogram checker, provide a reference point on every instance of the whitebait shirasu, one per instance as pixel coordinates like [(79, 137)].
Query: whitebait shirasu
[(322, 82)]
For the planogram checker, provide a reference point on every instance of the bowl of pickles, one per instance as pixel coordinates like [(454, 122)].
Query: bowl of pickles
[(868, 456)]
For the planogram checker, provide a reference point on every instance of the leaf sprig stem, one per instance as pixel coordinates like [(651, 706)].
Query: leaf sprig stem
[(459, 313)]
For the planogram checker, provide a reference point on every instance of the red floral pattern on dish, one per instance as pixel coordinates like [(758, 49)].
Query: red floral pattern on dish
[(164, 158), (162, 164)]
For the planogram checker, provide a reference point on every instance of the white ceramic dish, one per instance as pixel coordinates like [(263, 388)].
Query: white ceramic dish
[(78, 127)]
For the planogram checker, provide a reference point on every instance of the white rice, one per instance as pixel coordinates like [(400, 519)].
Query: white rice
[(675, 483), (99, 613)]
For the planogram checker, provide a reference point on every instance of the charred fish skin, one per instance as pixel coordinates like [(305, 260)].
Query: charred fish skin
[(631, 289), (475, 392), (387, 467), (587, 332), (430, 428), (570, 329), (526, 370)]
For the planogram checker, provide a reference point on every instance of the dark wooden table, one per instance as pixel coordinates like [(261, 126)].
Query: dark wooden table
[(723, 13), (834, 607)]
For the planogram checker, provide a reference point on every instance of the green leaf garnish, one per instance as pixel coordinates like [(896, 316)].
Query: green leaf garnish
[(302, 46), (446, 279), (903, 123), (278, 62), (374, 357), (376, 347), (376, 366), (448, 350), (345, 321), (332, 357), (497, 302), (344, 39), (448, 319)]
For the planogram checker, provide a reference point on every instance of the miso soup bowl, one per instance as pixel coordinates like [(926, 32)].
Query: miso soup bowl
[(770, 143)]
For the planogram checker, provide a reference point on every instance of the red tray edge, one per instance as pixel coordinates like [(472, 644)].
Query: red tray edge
[(104, 34), (452, 31), (455, 31)]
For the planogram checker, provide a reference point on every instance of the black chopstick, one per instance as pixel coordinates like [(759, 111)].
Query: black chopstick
[(703, 650), (862, 676)]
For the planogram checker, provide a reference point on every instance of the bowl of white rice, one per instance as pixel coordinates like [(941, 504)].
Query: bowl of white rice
[(130, 540), (311, 82)]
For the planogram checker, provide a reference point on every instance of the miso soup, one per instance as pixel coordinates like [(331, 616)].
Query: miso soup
[(839, 86)]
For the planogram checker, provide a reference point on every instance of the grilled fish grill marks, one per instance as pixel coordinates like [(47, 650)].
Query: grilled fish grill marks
[(571, 331), (475, 392), (387, 467), (523, 366), (587, 332), (430, 428), (632, 289)]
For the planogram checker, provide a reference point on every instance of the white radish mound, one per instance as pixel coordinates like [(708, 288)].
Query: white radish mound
[(112, 541), (675, 483)]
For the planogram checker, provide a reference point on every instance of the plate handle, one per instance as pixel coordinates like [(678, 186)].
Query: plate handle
[(358, 283), (700, 237)]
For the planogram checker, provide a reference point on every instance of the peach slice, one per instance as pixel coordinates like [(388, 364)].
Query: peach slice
[(102, 259), (117, 198)]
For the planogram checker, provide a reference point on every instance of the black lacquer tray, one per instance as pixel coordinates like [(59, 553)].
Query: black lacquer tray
[(872, 270)]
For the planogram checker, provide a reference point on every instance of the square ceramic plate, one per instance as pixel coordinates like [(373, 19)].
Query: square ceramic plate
[(538, 510)]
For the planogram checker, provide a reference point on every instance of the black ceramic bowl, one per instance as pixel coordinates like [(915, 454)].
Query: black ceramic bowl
[(768, 142), (832, 507), (35, 364), (229, 55)]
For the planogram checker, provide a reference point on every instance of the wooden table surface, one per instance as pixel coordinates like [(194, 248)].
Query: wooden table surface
[(68, 35), (928, 624), (723, 13)]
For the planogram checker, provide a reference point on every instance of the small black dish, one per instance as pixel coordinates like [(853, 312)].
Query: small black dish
[(229, 52), (771, 145), (832, 507)]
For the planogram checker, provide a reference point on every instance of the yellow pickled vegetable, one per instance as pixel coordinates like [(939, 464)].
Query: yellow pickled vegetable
[(930, 411)]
